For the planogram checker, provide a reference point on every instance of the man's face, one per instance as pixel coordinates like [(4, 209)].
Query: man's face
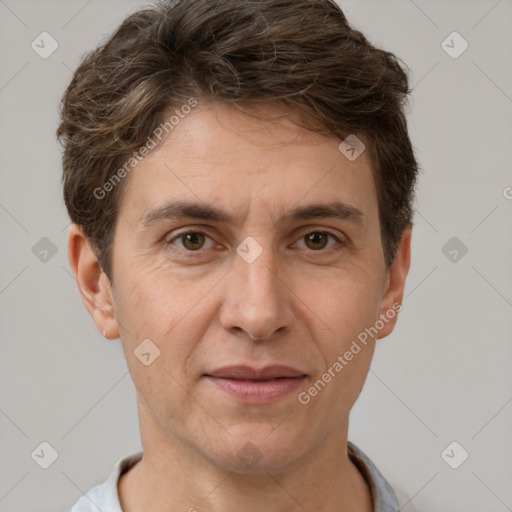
[(296, 293)]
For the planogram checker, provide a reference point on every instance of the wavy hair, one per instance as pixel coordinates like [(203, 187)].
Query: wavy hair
[(299, 55)]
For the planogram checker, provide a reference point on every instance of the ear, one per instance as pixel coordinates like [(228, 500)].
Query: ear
[(393, 290), (93, 284)]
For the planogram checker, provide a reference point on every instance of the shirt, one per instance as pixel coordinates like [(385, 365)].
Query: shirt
[(104, 497)]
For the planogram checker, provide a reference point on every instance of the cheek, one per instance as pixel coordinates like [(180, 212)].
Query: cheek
[(344, 307), (173, 311), (346, 354), (154, 299), (158, 340), (344, 302)]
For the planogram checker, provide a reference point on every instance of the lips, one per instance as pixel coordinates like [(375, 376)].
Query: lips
[(249, 373), (256, 386)]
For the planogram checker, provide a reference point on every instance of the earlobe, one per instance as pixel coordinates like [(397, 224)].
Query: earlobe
[(93, 285), (395, 282)]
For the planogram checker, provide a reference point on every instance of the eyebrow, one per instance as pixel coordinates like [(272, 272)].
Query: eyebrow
[(204, 211)]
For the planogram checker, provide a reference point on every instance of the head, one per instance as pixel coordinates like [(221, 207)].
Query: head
[(215, 214)]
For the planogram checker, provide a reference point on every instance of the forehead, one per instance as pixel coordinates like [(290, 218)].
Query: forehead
[(221, 155)]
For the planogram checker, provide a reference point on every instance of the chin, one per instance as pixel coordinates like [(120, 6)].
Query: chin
[(259, 451)]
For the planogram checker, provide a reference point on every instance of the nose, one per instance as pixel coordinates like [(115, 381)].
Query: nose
[(257, 303)]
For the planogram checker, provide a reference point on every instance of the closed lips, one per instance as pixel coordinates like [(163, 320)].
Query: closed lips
[(242, 372)]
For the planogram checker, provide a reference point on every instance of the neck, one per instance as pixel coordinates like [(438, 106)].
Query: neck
[(173, 476)]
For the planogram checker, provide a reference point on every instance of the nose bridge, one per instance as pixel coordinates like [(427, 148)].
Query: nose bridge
[(256, 262), (257, 300), (257, 270), (259, 276)]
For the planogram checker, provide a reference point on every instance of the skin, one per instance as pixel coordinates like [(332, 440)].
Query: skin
[(297, 304)]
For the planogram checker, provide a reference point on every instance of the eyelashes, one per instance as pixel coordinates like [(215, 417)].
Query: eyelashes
[(194, 243)]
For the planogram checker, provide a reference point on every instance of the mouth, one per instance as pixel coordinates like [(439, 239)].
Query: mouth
[(253, 385)]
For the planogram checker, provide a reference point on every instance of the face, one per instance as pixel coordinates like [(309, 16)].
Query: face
[(244, 246)]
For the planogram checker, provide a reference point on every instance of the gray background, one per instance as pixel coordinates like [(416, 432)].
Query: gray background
[(445, 373)]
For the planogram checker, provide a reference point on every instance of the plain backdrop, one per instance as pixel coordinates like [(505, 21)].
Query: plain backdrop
[(443, 376)]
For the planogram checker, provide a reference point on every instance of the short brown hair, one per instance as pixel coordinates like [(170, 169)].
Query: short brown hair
[(299, 55)]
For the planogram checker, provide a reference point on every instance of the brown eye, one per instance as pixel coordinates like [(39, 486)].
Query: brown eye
[(319, 241), (316, 240), (192, 241), (191, 244)]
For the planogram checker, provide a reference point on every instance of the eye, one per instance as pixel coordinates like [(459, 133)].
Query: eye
[(192, 241), (319, 240)]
